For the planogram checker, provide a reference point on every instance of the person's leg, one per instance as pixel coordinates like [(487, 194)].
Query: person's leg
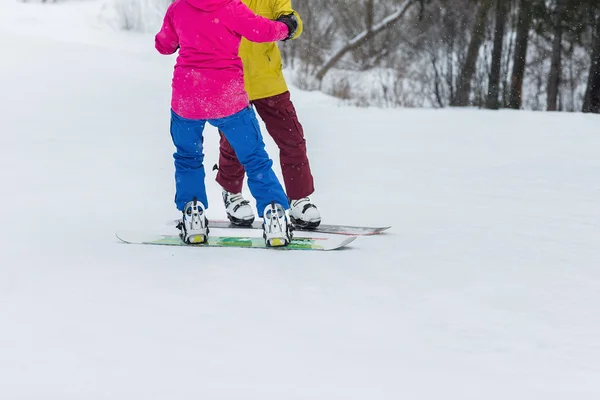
[(281, 121), (231, 172), (230, 176), (189, 160), (243, 133)]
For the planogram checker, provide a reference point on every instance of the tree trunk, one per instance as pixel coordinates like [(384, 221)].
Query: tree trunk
[(463, 89), (506, 65), (494, 82), (370, 10), (556, 62), (591, 102), (521, 43)]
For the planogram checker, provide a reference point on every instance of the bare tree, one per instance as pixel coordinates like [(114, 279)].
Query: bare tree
[(556, 58), (449, 52), (591, 101), (519, 60), (369, 33), (468, 68), (502, 8)]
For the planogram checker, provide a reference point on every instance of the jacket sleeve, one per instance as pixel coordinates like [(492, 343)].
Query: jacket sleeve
[(281, 7), (166, 40), (254, 27)]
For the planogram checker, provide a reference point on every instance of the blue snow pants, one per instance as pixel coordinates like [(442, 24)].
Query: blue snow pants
[(243, 133)]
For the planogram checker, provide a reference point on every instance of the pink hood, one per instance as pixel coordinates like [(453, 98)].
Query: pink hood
[(208, 81)]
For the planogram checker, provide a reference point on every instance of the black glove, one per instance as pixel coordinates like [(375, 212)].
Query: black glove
[(291, 22)]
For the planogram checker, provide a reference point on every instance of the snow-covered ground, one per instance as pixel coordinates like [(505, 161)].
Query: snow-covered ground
[(486, 287)]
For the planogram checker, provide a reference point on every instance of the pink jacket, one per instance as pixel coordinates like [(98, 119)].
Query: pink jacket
[(208, 81)]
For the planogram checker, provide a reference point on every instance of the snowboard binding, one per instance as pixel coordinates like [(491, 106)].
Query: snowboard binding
[(277, 231), (193, 228)]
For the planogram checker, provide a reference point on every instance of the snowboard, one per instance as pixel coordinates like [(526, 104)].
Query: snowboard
[(298, 243), (323, 228)]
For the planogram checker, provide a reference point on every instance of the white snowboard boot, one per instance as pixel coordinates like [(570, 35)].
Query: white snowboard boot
[(238, 210), (276, 229), (304, 213), (194, 224)]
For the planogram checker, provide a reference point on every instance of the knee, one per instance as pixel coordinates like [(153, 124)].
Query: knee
[(293, 149), (293, 143), (189, 160), (257, 163)]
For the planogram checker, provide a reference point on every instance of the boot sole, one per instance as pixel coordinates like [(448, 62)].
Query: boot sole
[(305, 224), (240, 222)]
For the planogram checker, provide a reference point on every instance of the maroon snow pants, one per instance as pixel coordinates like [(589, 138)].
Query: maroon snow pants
[(279, 116)]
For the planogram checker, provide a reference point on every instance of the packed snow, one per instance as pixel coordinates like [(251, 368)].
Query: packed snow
[(487, 285)]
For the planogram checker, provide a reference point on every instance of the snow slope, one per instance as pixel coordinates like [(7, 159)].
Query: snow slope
[(486, 287)]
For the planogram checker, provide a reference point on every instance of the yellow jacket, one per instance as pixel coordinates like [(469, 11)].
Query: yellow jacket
[(262, 61)]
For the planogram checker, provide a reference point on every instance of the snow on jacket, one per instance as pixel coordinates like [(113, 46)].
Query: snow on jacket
[(208, 80)]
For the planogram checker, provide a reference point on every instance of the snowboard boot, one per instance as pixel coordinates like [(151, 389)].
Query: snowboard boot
[(304, 213), (238, 209), (277, 232), (194, 224)]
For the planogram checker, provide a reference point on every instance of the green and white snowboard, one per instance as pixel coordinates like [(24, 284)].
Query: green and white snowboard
[(298, 243)]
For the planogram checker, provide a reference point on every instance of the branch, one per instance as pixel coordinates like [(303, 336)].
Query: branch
[(364, 37)]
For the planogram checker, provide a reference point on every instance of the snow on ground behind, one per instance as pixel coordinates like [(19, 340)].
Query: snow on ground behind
[(485, 287)]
